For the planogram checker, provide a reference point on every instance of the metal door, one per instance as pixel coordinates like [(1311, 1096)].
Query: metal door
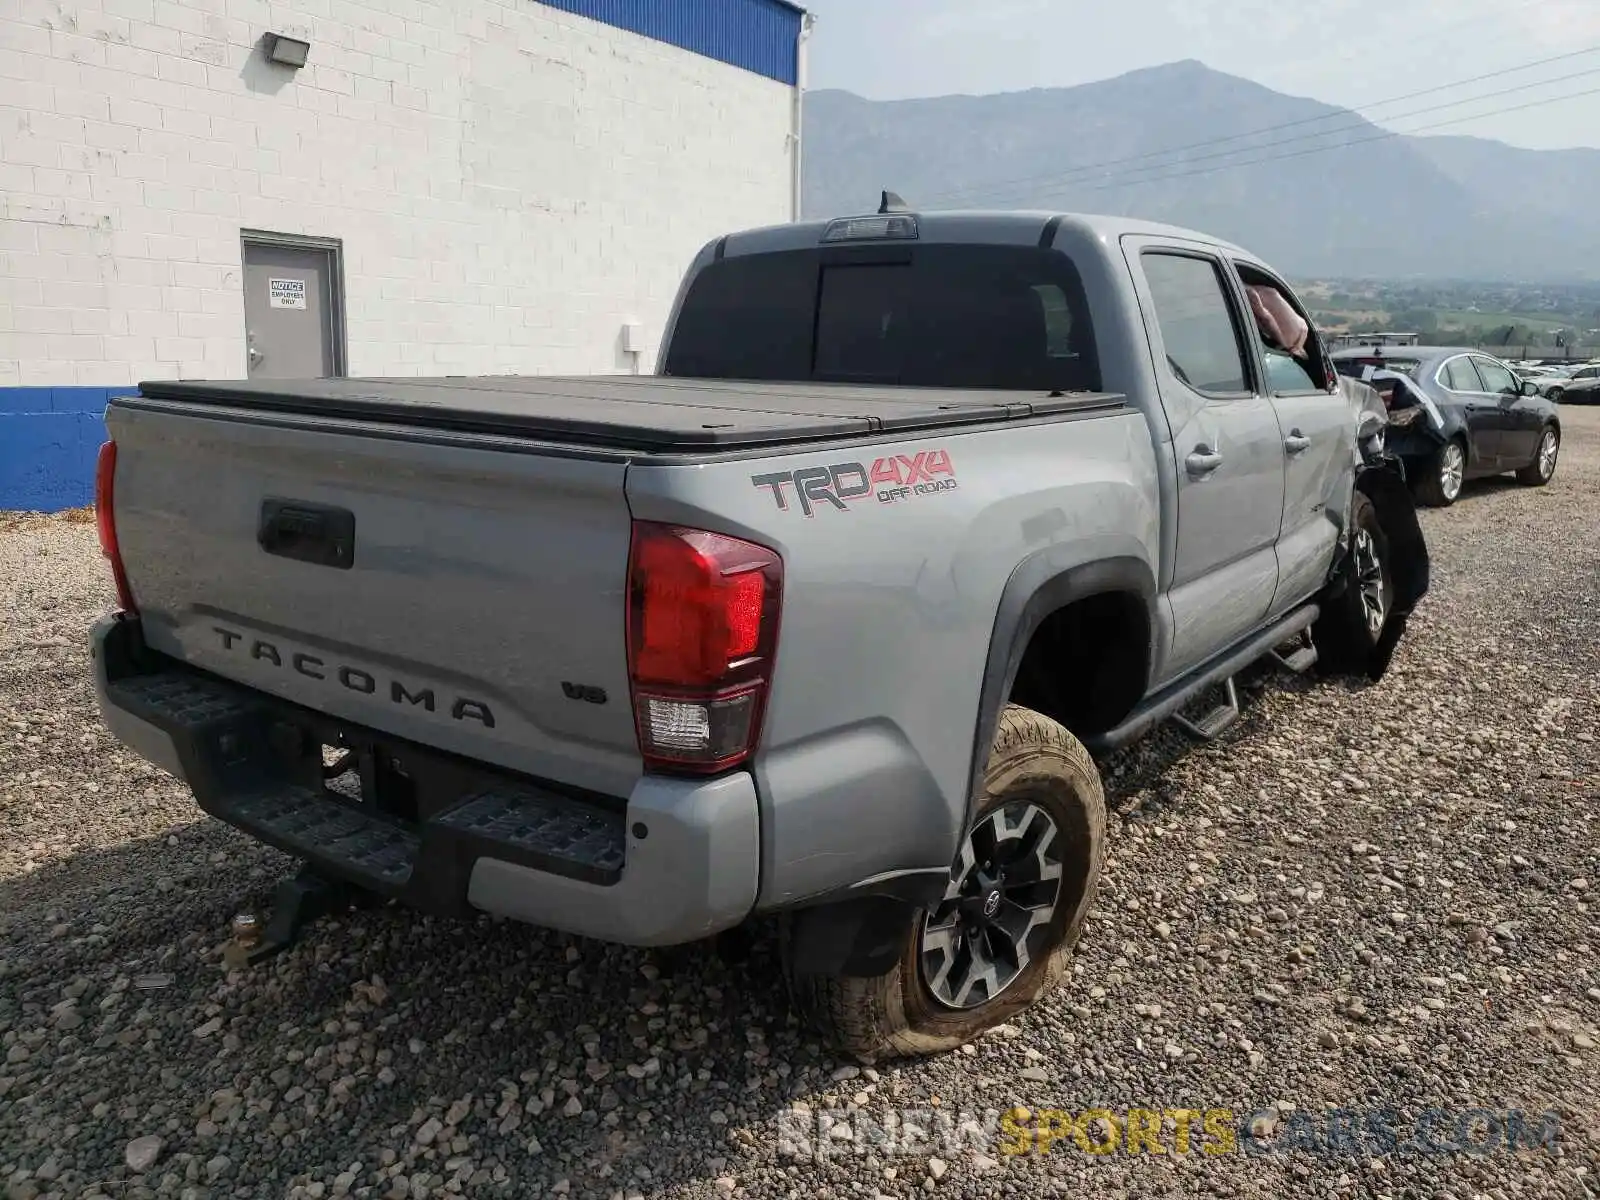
[(1480, 411), (1230, 454), (1517, 425), (291, 310), (1316, 424)]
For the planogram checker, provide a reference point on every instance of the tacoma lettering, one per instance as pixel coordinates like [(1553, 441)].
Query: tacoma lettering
[(353, 678), (398, 693)]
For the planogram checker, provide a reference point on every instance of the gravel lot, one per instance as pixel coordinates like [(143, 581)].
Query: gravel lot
[(1368, 897)]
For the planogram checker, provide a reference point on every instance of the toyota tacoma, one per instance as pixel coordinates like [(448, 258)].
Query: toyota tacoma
[(823, 621)]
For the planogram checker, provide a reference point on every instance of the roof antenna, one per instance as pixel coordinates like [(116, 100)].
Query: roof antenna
[(892, 204)]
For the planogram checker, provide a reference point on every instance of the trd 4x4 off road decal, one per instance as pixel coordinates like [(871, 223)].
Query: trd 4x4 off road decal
[(890, 480)]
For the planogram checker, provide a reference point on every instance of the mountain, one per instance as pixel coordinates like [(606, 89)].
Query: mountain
[(1321, 192), (1549, 183)]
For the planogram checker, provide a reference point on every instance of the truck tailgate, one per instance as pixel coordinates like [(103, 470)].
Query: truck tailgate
[(434, 588)]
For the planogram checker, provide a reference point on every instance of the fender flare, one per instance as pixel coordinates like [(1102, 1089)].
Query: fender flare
[(1042, 583), (863, 936)]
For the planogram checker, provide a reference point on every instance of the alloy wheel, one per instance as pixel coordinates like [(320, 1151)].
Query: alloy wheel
[(1369, 578), (1452, 470), (1549, 447), (997, 909)]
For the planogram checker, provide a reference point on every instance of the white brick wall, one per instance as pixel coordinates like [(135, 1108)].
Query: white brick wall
[(511, 183)]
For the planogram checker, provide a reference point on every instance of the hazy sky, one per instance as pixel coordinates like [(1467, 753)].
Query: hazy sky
[(1352, 53)]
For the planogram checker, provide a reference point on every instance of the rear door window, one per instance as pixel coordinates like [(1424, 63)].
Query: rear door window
[(1011, 318), (1497, 380), (1199, 328), (1459, 375)]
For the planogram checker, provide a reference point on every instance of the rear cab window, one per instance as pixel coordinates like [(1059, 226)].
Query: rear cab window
[(1007, 318)]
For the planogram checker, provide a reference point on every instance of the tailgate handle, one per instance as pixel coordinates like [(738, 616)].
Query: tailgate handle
[(313, 533)]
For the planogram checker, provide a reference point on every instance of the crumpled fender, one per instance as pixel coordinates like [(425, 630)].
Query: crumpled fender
[(1384, 483)]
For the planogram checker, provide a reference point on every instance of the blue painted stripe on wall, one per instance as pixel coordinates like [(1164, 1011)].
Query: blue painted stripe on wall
[(757, 35), (49, 438)]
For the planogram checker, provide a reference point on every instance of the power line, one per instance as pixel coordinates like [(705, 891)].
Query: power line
[(1383, 136), (1298, 138), (1287, 124), (1091, 167), (1358, 47), (987, 189)]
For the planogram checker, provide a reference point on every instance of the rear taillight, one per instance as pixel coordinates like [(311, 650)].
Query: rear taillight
[(105, 475), (702, 634)]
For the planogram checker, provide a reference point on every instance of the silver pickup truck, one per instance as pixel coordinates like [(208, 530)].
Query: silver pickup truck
[(821, 621)]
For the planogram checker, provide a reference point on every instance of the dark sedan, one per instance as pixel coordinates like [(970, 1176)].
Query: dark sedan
[(1582, 387), (1457, 414)]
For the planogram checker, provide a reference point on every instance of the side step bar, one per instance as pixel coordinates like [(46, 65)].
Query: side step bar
[(1170, 699), (1216, 722), (1299, 660)]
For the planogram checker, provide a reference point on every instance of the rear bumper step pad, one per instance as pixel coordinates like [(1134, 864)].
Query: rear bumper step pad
[(254, 762), (300, 820)]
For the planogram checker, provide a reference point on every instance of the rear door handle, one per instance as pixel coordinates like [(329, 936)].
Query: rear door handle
[(1296, 442), (1202, 461)]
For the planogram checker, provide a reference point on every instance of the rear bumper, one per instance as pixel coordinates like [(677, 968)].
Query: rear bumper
[(676, 861)]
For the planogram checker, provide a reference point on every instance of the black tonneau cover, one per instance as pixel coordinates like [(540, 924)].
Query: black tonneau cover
[(646, 413)]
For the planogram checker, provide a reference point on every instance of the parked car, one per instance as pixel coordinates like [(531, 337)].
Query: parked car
[(1464, 415), (822, 620), (1548, 380), (1581, 385)]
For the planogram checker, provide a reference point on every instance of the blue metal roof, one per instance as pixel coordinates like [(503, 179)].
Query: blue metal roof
[(756, 35)]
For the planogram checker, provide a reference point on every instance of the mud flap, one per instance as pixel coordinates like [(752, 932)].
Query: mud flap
[(1385, 485)]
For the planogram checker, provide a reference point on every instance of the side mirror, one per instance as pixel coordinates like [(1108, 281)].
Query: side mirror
[(1529, 388)]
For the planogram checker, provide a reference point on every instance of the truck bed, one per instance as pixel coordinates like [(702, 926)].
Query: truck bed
[(639, 414)]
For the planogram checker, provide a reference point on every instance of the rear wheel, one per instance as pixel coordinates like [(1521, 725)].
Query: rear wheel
[(1440, 483), (1355, 610), (1543, 467), (1014, 906)]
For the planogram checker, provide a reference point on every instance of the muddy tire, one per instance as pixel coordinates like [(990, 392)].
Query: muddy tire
[(1360, 601), (1022, 884), (1440, 483)]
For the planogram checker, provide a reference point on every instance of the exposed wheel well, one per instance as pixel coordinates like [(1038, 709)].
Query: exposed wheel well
[(1088, 663)]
